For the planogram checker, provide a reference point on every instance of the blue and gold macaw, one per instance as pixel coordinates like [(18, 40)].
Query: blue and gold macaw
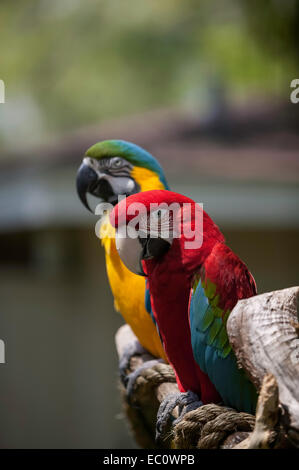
[(111, 168)]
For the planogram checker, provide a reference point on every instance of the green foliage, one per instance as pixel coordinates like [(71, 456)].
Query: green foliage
[(82, 61)]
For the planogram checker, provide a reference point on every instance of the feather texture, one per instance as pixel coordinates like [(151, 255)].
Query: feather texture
[(131, 297), (208, 316), (193, 291)]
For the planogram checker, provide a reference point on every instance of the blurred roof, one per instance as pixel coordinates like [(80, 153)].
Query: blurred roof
[(242, 163), (257, 142)]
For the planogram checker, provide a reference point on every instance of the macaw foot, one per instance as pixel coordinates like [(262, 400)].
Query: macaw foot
[(131, 378), (186, 402), (132, 349)]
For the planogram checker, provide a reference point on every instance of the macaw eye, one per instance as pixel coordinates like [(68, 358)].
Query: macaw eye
[(159, 214), (117, 162), (158, 223)]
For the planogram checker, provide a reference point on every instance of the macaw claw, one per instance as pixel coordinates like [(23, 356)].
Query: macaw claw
[(132, 349), (131, 378), (186, 402)]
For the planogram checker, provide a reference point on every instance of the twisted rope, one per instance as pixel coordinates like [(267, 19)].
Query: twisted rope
[(204, 428), (208, 426), (155, 375)]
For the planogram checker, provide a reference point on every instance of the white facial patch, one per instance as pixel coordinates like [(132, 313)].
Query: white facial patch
[(129, 250), (158, 224)]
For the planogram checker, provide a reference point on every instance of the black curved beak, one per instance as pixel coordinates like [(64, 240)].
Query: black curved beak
[(86, 181), (103, 185), (153, 247)]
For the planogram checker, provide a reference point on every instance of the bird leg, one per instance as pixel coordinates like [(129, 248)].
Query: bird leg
[(185, 402), (133, 348), (133, 376)]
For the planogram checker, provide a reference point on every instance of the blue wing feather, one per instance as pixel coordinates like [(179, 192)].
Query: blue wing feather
[(213, 352)]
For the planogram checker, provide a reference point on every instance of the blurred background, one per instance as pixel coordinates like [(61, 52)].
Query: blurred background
[(205, 87)]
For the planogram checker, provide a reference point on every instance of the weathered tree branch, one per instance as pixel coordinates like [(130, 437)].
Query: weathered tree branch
[(265, 433), (151, 387), (263, 331)]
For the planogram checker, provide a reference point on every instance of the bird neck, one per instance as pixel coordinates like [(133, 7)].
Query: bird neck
[(147, 179)]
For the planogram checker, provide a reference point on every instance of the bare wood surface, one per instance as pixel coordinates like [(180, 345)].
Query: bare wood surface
[(267, 432), (263, 331), (151, 387)]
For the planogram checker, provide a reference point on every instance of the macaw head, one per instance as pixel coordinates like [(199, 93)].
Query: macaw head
[(156, 226), (115, 167)]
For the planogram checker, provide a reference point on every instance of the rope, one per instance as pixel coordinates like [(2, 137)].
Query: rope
[(158, 374), (208, 426)]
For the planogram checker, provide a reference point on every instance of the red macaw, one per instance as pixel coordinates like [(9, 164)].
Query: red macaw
[(193, 290)]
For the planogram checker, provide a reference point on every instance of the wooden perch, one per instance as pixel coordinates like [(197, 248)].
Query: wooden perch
[(265, 434), (152, 386), (263, 331)]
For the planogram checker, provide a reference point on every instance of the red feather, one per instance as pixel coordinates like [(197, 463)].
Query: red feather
[(230, 275), (170, 281)]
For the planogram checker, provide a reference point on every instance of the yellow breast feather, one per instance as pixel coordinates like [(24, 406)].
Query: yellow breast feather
[(128, 289)]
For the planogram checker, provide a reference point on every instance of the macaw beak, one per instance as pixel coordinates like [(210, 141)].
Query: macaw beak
[(86, 180), (154, 247), (134, 251), (130, 252), (102, 184)]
